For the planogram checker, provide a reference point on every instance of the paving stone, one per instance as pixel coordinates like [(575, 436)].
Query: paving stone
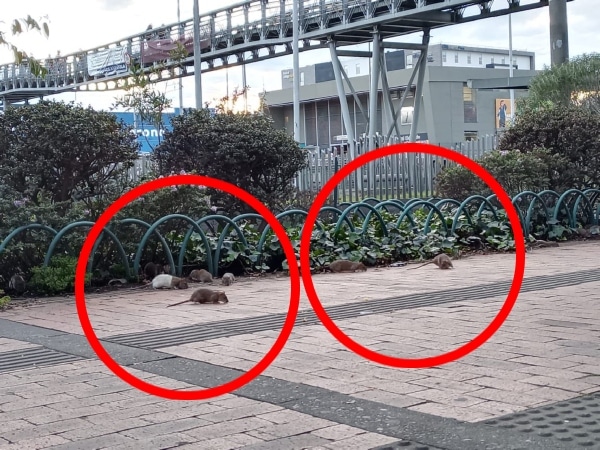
[(36, 443), (100, 442), (306, 440)]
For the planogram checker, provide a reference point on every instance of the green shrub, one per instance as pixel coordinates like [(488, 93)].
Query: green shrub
[(570, 134), (4, 300), (514, 170), (57, 277)]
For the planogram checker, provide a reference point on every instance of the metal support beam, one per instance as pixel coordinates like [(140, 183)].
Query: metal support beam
[(419, 89), (387, 98), (296, 70), (354, 53), (403, 46), (355, 95), (373, 92), (343, 100), (197, 57), (559, 32), (407, 89)]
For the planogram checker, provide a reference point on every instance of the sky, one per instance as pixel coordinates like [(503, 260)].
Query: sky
[(76, 25)]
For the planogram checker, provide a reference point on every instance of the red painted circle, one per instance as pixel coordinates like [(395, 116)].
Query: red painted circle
[(93, 236), (444, 358)]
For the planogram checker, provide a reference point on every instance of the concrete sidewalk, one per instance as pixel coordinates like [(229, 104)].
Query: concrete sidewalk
[(533, 385)]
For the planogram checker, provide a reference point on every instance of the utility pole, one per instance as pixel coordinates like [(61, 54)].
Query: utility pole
[(197, 56), (296, 71), (559, 32), (180, 79), (510, 70)]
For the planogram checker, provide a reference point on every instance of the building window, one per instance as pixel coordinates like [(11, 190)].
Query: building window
[(492, 60), (456, 58), (470, 105), (503, 61), (358, 69), (443, 56), (480, 60), (301, 78), (468, 59), (514, 61), (346, 70), (409, 61)]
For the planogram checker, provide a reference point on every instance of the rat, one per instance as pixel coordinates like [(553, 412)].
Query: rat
[(227, 279), (442, 260), (201, 275), (151, 270), (168, 281), (343, 265), (204, 295), (17, 283)]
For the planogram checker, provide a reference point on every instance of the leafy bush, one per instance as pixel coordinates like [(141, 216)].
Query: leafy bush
[(58, 276), (67, 151), (514, 170), (571, 135), (243, 149), (4, 300)]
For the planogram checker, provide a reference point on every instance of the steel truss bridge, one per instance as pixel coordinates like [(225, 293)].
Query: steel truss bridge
[(257, 30)]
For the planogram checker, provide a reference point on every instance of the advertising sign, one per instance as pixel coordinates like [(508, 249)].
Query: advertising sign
[(503, 112), (110, 61)]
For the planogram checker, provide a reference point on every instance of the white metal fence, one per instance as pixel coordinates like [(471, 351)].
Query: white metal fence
[(396, 176), (407, 175)]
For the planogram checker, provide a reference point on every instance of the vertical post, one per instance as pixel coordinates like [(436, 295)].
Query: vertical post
[(419, 89), (510, 70), (559, 32), (244, 86), (197, 56), (343, 100), (373, 92), (296, 70), (180, 79)]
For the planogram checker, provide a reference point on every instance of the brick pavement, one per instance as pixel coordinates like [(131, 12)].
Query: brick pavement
[(547, 351)]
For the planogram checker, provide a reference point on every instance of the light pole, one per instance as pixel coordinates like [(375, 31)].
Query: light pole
[(510, 69), (180, 79), (296, 71), (197, 56)]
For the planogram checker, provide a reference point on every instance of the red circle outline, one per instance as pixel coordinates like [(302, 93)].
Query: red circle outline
[(444, 358), (89, 330)]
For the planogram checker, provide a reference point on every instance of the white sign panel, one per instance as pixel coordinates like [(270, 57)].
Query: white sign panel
[(110, 61)]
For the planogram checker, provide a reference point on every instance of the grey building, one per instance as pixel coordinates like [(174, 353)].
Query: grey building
[(451, 111)]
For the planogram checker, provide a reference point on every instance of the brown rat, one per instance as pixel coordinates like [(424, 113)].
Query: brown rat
[(151, 270), (343, 265), (17, 283), (227, 279), (442, 260), (201, 275), (204, 295)]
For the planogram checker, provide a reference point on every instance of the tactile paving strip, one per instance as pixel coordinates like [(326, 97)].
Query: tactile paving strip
[(405, 445), (166, 337), (33, 357), (575, 422)]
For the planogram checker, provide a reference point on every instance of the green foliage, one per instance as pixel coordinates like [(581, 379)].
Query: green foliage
[(4, 300), (143, 99), (572, 137), (574, 83), (514, 170), (57, 277), (17, 27), (243, 149), (28, 248), (64, 151)]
